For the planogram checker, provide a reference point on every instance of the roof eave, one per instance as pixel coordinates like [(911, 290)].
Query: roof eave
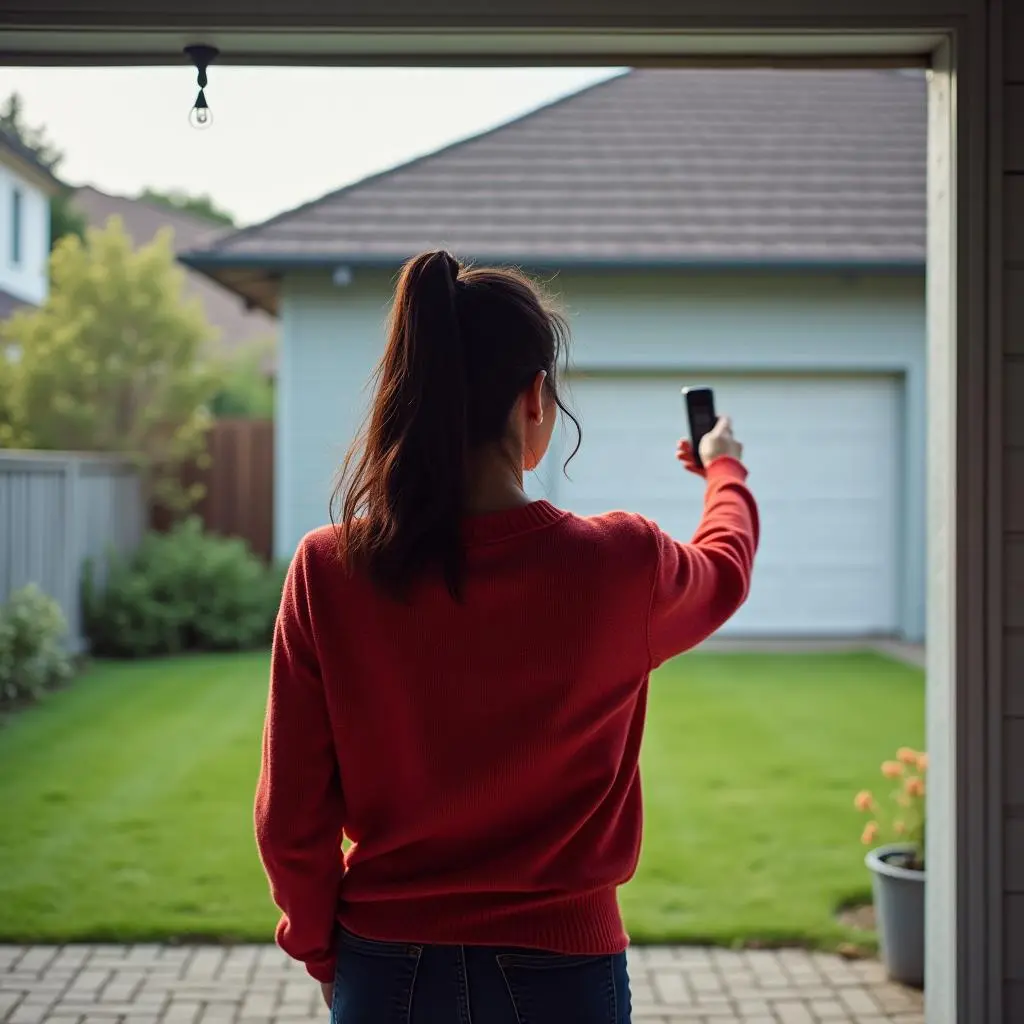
[(204, 261), (214, 264)]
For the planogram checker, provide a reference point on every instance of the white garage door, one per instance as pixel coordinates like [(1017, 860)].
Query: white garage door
[(824, 467)]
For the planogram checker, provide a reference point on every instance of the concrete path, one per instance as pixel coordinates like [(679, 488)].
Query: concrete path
[(258, 985)]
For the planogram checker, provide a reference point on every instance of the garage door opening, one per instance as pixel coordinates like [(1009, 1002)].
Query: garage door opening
[(880, 392)]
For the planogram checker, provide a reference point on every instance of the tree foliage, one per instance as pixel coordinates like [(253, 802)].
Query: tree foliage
[(65, 219), (12, 121), (247, 389), (198, 206), (113, 359)]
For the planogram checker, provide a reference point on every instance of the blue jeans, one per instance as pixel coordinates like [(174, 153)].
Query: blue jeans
[(405, 983)]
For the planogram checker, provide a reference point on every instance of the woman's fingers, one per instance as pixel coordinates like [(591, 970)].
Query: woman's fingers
[(720, 441), (684, 453)]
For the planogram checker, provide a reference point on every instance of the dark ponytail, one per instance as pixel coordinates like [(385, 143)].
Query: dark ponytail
[(462, 346)]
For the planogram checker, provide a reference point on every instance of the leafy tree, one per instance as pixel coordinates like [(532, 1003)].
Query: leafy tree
[(12, 120), (64, 218), (199, 206), (247, 391), (112, 360), (10, 434)]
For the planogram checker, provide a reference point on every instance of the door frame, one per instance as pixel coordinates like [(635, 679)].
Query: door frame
[(961, 41)]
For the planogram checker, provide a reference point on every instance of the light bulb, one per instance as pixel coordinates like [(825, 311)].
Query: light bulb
[(200, 117)]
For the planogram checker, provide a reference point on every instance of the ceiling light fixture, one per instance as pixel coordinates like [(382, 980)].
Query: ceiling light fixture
[(200, 116)]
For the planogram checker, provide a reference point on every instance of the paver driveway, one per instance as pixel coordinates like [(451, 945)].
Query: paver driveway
[(143, 984)]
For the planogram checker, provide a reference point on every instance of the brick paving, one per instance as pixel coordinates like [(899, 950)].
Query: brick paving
[(145, 984)]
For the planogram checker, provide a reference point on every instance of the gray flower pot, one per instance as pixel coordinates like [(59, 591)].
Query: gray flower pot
[(899, 912)]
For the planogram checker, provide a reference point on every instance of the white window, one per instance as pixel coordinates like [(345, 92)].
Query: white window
[(17, 202)]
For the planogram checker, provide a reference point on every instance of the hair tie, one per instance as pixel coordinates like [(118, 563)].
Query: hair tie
[(452, 265)]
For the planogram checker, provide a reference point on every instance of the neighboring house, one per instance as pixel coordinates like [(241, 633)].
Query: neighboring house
[(238, 323), (759, 231), (26, 187)]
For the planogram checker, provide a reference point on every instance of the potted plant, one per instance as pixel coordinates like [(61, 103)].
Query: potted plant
[(898, 865)]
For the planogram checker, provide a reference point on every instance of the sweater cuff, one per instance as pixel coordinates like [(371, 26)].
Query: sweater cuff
[(725, 467), (321, 970)]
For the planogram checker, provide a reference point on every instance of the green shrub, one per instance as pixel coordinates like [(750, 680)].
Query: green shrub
[(247, 389), (33, 655), (184, 590)]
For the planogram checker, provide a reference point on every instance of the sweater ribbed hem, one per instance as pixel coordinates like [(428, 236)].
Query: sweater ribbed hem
[(588, 925)]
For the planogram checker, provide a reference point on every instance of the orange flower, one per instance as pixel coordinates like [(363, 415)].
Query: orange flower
[(907, 756), (922, 763), (899, 827), (892, 769), (864, 801), (870, 833), (914, 786)]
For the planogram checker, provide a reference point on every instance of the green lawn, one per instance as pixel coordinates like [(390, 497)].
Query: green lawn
[(125, 801)]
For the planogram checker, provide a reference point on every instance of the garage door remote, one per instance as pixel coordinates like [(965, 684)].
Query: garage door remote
[(700, 411)]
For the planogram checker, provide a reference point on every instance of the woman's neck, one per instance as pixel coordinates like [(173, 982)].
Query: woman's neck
[(494, 485)]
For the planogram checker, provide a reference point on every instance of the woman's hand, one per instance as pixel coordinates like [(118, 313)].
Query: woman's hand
[(713, 445), (327, 990)]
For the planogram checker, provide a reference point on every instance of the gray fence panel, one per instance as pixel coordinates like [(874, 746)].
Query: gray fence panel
[(58, 509)]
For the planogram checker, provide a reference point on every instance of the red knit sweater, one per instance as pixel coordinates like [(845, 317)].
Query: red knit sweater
[(481, 756)]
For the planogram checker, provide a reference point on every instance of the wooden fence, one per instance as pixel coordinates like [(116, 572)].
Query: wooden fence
[(238, 484), (58, 509)]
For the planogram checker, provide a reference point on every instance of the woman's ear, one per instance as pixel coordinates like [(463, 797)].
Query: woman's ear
[(535, 398)]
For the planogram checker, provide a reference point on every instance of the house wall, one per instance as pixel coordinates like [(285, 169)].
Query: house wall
[(28, 279), (329, 342), (649, 322)]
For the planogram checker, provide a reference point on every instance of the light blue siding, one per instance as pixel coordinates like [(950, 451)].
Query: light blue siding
[(331, 339), (709, 323), (703, 323)]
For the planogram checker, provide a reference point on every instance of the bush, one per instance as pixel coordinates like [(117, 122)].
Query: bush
[(33, 656), (184, 590), (247, 389)]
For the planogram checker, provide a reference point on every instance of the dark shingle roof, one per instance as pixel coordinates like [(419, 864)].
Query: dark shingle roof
[(654, 167)]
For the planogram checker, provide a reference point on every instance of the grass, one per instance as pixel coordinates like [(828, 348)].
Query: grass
[(750, 764), (127, 805), (126, 799)]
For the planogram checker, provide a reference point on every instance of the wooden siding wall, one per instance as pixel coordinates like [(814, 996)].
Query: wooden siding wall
[(1013, 506)]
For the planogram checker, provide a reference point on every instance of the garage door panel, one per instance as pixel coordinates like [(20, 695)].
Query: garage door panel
[(836, 470), (824, 466), (840, 536), (835, 607)]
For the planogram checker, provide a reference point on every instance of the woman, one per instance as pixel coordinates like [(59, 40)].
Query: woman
[(459, 681)]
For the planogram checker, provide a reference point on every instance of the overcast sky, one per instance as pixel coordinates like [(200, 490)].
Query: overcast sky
[(281, 136)]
